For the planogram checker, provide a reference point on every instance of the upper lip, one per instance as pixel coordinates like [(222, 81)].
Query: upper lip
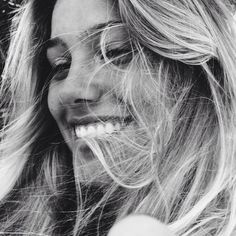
[(99, 119)]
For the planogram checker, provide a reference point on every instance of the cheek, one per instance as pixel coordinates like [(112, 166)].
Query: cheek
[(53, 102)]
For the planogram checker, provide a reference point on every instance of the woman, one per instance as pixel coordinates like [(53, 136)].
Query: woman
[(119, 108)]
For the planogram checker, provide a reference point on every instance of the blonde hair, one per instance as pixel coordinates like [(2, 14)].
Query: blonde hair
[(179, 164)]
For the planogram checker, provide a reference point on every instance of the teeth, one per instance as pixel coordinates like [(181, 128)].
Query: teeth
[(109, 128), (100, 129), (96, 130), (117, 126), (91, 130), (83, 132)]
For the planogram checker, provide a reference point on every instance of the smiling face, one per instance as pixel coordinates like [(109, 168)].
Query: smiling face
[(83, 90)]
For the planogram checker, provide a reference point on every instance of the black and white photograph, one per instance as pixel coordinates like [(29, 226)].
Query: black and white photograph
[(118, 117)]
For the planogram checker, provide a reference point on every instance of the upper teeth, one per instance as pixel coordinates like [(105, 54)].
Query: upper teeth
[(96, 129)]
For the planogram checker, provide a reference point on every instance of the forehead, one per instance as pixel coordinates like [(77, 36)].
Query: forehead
[(71, 16)]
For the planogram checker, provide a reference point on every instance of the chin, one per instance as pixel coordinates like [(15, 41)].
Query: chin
[(88, 169)]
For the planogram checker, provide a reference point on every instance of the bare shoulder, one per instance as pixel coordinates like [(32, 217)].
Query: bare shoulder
[(140, 225)]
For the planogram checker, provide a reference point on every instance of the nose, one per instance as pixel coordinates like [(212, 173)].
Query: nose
[(77, 88), (74, 92)]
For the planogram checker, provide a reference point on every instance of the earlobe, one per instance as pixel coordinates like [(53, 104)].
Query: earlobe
[(139, 225)]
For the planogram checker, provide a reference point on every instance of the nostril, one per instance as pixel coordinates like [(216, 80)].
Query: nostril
[(85, 101), (88, 95)]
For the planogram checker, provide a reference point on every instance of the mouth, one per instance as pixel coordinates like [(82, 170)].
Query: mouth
[(91, 127)]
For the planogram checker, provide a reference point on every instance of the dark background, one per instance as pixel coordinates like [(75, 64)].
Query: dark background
[(7, 8)]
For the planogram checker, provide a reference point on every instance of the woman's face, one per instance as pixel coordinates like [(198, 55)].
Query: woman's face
[(83, 91)]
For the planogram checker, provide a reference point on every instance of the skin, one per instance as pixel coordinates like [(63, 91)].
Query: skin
[(76, 83), (84, 87), (72, 86), (139, 225)]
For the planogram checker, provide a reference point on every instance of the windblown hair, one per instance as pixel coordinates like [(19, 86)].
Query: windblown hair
[(178, 165)]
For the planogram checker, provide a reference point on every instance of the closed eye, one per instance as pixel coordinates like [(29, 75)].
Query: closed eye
[(60, 68), (117, 56)]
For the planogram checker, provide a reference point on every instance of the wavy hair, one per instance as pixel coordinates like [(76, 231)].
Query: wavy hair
[(178, 165)]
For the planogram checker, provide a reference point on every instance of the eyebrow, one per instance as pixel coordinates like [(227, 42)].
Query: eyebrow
[(53, 42)]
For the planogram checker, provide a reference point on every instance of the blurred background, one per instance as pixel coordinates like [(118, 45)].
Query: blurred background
[(7, 7)]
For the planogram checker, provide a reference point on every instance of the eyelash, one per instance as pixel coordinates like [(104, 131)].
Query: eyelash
[(60, 67), (117, 56)]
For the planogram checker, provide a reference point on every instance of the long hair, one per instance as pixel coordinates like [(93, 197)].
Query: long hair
[(177, 165)]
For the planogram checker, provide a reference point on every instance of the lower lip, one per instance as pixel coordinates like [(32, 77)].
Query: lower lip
[(81, 148), (85, 152)]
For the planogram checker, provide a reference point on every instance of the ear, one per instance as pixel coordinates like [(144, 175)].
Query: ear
[(139, 225)]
